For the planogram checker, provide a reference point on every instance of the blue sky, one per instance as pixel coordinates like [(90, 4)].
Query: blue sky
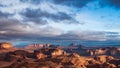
[(89, 20)]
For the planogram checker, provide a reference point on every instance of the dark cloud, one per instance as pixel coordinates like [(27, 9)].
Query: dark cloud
[(2, 5), (36, 15), (4, 15), (113, 3), (9, 28), (13, 29), (11, 25), (74, 3), (90, 36), (32, 1), (112, 33)]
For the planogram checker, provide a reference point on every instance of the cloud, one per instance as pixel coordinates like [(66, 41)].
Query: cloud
[(73, 3), (90, 35), (37, 16), (4, 15), (115, 3), (111, 3), (56, 19), (32, 1), (14, 29)]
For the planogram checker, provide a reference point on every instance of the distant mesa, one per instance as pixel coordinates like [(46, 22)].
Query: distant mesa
[(37, 46), (6, 45)]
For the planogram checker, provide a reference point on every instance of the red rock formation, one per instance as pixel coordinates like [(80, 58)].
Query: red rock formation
[(41, 56), (49, 52), (58, 52), (104, 58), (6, 45)]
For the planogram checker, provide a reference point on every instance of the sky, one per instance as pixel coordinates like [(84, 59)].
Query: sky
[(35, 20)]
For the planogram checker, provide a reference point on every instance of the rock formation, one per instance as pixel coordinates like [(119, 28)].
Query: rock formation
[(103, 58), (49, 52), (112, 51), (37, 46), (5, 45)]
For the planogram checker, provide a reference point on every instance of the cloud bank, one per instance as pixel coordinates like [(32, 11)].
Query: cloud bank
[(60, 20)]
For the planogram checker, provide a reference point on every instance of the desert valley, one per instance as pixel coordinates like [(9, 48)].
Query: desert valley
[(51, 56)]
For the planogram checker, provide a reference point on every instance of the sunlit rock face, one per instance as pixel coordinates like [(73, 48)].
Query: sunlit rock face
[(49, 52), (104, 58), (58, 52), (41, 56), (100, 51), (6, 45)]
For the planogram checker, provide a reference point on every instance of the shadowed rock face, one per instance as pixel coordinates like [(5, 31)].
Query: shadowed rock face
[(5, 45), (110, 51), (18, 54)]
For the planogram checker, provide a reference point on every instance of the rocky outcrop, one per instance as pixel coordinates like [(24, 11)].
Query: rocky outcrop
[(49, 52), (112, 51), (74, 60), (103, 58), (116, 62), (41, 56), (6, 45), (58, 52), (18, 54)]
